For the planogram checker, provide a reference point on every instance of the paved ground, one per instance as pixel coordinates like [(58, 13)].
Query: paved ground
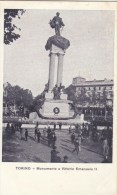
[(17, 150)]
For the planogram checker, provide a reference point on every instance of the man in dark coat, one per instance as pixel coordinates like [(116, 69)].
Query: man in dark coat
[(26, 134), (54, 157), (65, 159), (35, 132), (53, 139), (72, 137), (76, 145), (38, 136)]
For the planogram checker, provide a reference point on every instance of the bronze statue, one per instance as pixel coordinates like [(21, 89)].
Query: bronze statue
[(57, 23)]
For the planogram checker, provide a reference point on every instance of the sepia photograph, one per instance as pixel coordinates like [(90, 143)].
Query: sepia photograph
[(58, 86)]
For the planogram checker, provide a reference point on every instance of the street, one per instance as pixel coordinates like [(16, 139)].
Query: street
[(16, 149)]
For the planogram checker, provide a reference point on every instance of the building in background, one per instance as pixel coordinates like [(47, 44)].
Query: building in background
[(97, 92), (92, 98)]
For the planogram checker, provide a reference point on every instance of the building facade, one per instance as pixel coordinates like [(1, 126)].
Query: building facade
[(101, 89)]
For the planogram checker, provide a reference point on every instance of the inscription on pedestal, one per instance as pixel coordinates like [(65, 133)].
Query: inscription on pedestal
[(56, 109)]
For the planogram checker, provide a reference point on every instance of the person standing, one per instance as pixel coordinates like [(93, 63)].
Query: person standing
[(79, 140), (60, 126), (65, 159), (105, 148), (70, 129), (49, 133), (54, 126), (38, 135), (76, 144), (7, 128), (44, 132), (72, 137), (21, 132), (12, 128), (35, 132), (26, 134), (53, 139), (54, 157), (106, 160), (48, 130)]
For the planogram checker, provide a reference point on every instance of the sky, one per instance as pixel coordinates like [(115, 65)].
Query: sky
[(90, 55)]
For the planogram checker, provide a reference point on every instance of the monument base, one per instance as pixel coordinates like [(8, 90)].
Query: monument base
[(56, 109)]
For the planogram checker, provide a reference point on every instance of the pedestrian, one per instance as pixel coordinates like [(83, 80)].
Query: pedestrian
[(44, 132), (49, 134), (54, 126), (53, 139), (50, 138), (70, 129), (38, 135), (21, 133), (37, 124), (65, 159), (58, 159), (7, 128), (60, 126), (76, 145), (12, 128), (72, 137), (106, 160), (35, 132), (79, 140), (54, 155), (17, 126), (48, 130), (26, 134), (105, 148), (20, 125)]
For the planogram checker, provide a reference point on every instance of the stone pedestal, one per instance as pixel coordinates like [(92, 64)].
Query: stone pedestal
[(49, 95), (63, 96), (56, 50), (56, 109)]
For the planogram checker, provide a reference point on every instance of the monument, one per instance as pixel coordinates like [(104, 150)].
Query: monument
[(56, 104)]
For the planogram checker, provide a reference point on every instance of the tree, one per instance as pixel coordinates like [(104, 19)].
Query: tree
[(17, 96), (9, 28), (71, 92)]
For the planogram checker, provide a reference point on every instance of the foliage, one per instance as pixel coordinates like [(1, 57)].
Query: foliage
[(9, 28), (17, 95), (81, 97), (70, 91), (39, 100)]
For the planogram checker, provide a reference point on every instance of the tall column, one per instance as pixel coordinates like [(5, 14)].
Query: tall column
[(60, 69), (51, 71)]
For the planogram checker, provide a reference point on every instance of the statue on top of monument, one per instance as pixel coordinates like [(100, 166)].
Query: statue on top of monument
[(57, 23)]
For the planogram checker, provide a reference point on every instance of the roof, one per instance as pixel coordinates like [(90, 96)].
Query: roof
[(94, 83)]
